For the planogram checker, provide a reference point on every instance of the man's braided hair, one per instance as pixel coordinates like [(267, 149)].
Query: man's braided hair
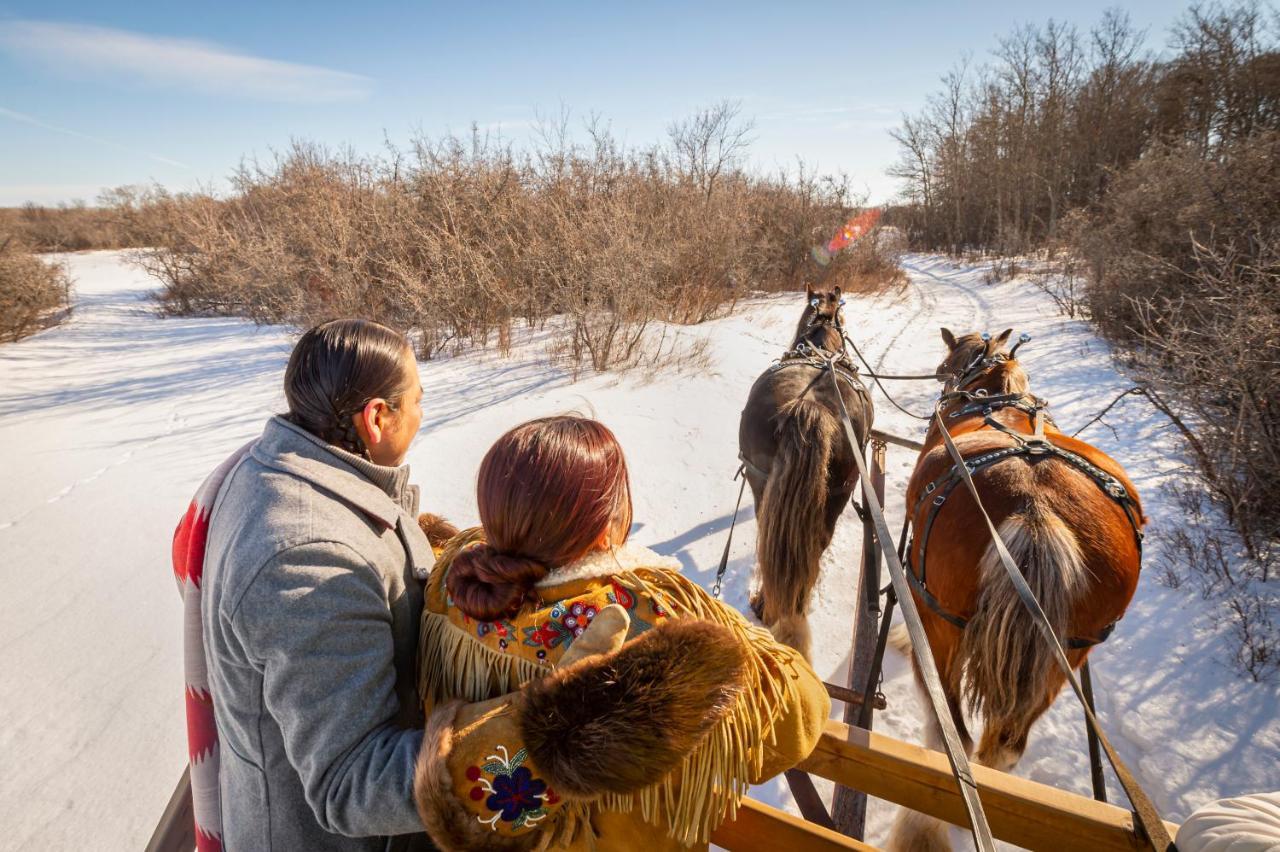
[(335, 370)]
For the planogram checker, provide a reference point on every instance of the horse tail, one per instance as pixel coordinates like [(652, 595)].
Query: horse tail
[(792, 531), (1007, 662)]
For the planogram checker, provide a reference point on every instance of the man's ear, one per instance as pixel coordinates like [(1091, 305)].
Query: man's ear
[(1003, 339), (948, 338), (370, 420)]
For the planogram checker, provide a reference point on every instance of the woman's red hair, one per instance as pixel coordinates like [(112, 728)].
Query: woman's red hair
[(548, 492)]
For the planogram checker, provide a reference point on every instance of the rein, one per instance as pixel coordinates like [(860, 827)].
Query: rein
[(959, 760), (1147, 816)]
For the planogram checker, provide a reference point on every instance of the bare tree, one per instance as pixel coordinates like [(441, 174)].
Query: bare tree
[(711, 141)]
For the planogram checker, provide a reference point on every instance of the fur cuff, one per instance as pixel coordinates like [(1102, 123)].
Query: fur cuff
[(436, 529), (448, 821), (619, 723)]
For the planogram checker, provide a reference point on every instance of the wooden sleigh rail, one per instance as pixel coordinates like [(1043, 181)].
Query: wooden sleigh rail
[(1026, 813), (1032, 815)]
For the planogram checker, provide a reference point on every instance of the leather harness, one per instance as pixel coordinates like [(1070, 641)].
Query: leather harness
[(1033, 444), (806, 355)]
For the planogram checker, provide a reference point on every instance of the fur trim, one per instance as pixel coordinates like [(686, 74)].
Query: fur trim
[(606, 563), (617, 724), (436, 529), (446, 819), (705, 790)]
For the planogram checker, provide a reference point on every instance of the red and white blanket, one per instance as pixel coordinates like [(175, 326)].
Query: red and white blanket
[(202, 734)]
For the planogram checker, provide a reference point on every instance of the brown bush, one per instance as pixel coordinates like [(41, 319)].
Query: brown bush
[(33, 292), (1183, 272), (455, 240)]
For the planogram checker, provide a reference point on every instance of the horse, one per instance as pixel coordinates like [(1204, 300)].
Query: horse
[(798, 462), (1068, 515)]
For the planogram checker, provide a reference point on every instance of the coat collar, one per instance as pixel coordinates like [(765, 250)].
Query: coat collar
[(604, 563), (380, 492)]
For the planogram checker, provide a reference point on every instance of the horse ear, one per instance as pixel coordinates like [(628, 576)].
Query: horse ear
[(948, 338), (1002, 339), (808, 290), (836, 291)]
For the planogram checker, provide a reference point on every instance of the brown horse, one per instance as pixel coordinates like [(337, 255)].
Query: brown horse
[(1075, 533), (799, 463)]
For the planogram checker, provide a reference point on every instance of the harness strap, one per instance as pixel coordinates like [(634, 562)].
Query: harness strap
[(724, 557), (920, 643), (940, 489), (751, 468), (1147, 817)]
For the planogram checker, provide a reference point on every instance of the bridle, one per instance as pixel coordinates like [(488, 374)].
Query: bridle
[(981, 363)]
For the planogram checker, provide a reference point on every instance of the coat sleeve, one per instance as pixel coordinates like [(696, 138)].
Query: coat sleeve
[(785, 707), (317, 623), (800, 715)]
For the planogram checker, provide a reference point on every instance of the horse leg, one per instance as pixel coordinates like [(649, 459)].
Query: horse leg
[(913, 831)]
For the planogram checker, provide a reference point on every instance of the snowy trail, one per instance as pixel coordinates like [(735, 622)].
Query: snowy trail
[(110, 421)]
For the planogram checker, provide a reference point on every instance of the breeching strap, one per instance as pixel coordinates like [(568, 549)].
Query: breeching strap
[(919, 643), (1147, 819), (724, 557)]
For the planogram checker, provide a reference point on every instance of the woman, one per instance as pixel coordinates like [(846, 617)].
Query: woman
[(311, 596), (507, 601)]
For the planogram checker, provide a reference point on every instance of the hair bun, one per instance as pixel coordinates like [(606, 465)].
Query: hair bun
[(487, 584)]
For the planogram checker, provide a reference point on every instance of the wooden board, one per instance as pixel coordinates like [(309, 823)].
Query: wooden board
[(760, 828), (176, 831), (1034, 816)]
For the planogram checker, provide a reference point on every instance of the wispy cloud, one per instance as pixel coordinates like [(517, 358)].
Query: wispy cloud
[(176, 63), (35, 122)]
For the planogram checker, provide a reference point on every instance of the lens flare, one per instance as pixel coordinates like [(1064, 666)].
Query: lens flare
[(852, 231)]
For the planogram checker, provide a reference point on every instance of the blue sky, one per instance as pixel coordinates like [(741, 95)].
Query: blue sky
[(95, 95)]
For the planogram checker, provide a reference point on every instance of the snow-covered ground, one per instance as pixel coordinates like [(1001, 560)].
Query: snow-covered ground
[(110, 421)]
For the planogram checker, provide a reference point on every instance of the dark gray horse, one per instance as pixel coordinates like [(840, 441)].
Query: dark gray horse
[(799, 463)]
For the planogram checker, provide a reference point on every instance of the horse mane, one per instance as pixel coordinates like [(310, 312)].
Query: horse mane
[(820, 335), (1012, 378)]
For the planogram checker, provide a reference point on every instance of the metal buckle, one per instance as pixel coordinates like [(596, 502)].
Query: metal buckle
[(1038, 446), (939, 500)]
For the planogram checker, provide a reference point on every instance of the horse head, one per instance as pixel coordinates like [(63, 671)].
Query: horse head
[(822, 322), (979, 360)]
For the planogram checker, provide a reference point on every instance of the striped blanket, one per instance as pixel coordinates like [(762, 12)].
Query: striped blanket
[(202, 734)]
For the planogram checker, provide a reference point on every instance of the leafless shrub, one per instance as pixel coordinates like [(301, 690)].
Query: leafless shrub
[(1217, 565), (459, 240), (33, 293), (121, 218), (1253, 625)]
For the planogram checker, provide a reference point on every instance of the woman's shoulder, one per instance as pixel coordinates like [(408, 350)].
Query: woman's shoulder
[(563, 604)]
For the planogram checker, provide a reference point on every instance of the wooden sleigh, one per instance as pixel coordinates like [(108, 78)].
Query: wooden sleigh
[(863, 763)]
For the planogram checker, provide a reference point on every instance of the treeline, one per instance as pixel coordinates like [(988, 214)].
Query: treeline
[(1002, 155), (458, 239), (114, 221), (1155, 183)]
